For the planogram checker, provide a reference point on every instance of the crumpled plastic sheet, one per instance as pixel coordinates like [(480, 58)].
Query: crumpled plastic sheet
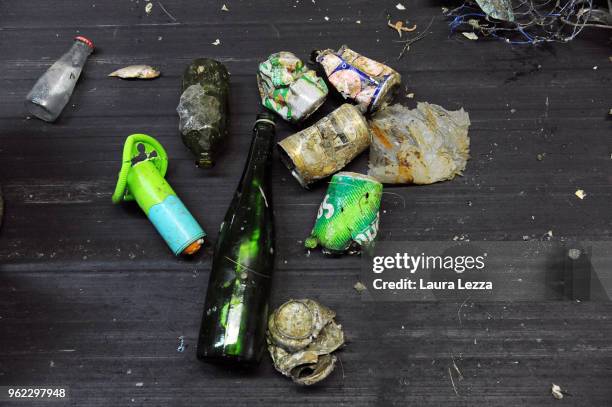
[(419, 146), (197, 110), (289, 88)]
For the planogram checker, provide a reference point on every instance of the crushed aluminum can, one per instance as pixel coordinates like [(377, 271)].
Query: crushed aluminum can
[(289, 88), (418, 146), (327, 146), (348, 216), (369, 83), (301, 336)]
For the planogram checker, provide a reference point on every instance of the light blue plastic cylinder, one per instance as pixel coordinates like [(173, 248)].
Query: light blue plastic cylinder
[(175, 224)]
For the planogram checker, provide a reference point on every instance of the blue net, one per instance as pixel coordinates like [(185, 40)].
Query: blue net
[(523, 21)]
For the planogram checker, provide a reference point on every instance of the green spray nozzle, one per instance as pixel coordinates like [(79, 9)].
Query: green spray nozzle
[(138, 147)]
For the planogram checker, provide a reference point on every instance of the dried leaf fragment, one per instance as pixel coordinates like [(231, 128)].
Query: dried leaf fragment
[(580, 194), (136, 72), (399, 27), (556, 391), (470, 36)]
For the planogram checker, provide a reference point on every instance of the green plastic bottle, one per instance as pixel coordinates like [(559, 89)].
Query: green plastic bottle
[(236, 308)]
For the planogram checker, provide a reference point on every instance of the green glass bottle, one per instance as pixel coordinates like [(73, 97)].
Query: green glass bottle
[(204, 109), (236, 308)]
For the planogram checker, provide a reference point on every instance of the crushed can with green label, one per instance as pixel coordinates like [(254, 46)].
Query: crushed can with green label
[(289, 88), (347, 219)]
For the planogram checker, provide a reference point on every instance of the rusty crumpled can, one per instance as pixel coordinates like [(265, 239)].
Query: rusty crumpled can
[(418, 146), (369, 83), (290, 88), (327, 146), (302, 335), (347, 219)]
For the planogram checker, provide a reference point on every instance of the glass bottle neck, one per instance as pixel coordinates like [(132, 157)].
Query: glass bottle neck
[(259, 155)]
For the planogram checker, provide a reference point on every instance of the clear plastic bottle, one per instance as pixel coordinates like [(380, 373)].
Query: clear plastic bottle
[(53, 89)]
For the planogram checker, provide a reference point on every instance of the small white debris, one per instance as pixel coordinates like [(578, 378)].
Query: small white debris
[(400, 6), (326, 18), (181, 346), (410, 96), (160, 38), (470, 36), (574, 254), (51, 364), (149, 8), (224, 8), (129, 371), (359, 22), (139, 384), (595, 68), (359, 287), (216, 42), (580, 194), (556, 391)]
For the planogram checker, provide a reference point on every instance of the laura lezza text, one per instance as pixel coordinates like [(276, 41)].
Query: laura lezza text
[(421, 284)]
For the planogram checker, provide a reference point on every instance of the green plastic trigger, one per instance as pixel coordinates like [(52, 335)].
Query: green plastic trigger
[(131, 151)]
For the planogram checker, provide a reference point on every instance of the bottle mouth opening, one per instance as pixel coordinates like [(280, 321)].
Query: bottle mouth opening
[(205, 161), (40, 111), (85, 40)]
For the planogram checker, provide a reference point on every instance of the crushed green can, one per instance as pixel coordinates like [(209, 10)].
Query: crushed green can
[(347, 219), (289, 88)]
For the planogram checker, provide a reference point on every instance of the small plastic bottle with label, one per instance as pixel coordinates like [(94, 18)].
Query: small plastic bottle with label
[(53, 89)]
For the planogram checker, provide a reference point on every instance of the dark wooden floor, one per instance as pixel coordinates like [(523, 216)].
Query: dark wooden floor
[(91, 298)]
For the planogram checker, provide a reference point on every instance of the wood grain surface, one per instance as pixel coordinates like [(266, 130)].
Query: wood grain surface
[(91, 298)]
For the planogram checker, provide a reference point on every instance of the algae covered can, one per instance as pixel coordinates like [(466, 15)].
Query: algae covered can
[(203, 109), (347, 218), (327, 146), (365, 81)]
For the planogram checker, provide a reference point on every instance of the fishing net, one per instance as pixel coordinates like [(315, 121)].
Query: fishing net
[(528, 21)]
